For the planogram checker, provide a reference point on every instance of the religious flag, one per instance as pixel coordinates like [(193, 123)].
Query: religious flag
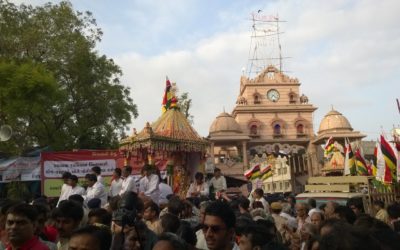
[(166, 103), (252, 171), (362, 168), (329, 146), (390, 158), (349, 163)]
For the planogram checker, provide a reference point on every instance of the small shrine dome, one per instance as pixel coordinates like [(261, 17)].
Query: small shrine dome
[(224, 123), (334, 121)]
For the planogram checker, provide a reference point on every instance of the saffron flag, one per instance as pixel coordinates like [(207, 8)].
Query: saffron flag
[(349, 163), (361, 164), (252, 171), (166, 103), (390, 158)]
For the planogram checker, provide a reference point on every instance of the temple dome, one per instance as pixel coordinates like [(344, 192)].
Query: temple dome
[(334, 121), (224, 123)]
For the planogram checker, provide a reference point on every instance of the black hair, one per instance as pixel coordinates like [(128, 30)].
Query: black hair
[(118, 171), (128, 168), (199, 175), (393, 210), (346, 214), (153, 207), (76, 198), (96, 169), (101, 235), (25, 210), (68, 209), (41, 209), (91, 177), (312, 203), (223, 211), (102, 214), (73, 178), (357, 202), (241, 223), (186, 232), (259, 192), (379, 203), (170, 223), (176, 242), (217, 170), (256, 235), (175, 205), (244, 202), (147, 167), (66, 175)]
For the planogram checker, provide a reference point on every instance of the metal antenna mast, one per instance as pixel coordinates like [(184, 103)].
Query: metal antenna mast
[(265, 46)]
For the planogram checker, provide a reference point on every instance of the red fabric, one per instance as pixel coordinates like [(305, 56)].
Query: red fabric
[(32, 244), (51, 233)]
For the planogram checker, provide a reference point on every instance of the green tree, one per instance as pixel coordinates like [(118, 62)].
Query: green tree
[(81, 103), (185, 103)]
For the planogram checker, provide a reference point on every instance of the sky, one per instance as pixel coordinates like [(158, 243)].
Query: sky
[(346, 54)]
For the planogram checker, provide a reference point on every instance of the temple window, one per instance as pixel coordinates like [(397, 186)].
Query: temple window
[(277, 129), (253, 129), (256, 99), (300, 129), (292, 98)]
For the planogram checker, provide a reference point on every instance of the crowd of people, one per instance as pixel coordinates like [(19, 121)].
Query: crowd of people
[(147, 215)]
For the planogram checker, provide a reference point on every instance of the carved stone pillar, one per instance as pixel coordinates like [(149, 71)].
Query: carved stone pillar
[(245, 161)]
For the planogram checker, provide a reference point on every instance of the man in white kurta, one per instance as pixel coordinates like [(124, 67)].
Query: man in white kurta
[(218, 181), (128, 183), (95, 190), (116, 183), (74, 187), (150, 184), (64, 188), (198, 188)]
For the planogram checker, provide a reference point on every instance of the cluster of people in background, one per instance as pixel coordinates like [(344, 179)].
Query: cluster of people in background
[(146, 215)]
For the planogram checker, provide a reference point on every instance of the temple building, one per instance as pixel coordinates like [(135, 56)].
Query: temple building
[(271, 117)]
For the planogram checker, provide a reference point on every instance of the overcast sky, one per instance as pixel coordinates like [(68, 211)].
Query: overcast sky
[(345, 54)]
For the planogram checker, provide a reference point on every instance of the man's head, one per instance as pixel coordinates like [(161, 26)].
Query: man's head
[(378, 205), (43, 214), (21, 223), (126, 171), (244, 204), (219, 225), (356, 205), (96, 170), (217, 172), (99, 216), (67, 216), (90, 238), (73, 180), (203, 206), (258, 193), (117, 173), (170, 241), (301, 210), (199, 177), (90, 179), (330, 209), (316, 218), (312, 203), (147, 170), (65, 177), (175, 206), (253, 238), (276, 207), (345, 213), (151, 211)]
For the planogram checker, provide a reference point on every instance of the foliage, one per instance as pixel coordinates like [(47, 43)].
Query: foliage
[(185, 103), (55, 88)]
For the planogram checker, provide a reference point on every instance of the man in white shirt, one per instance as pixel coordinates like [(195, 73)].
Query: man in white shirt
[(64, 188), (198, 188), (258, 195), (165, 190), (75, 188), (150, 184), (96, 170), (95, 189), (116, 183), (128, 183), (218, 181)]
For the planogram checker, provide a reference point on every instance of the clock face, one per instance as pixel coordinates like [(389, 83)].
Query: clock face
[(273, 95)]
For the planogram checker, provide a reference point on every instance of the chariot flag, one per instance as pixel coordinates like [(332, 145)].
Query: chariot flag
[(166, 103), (380, 163), (329, 145), (361, 164), (390, 158), (349, 163)]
